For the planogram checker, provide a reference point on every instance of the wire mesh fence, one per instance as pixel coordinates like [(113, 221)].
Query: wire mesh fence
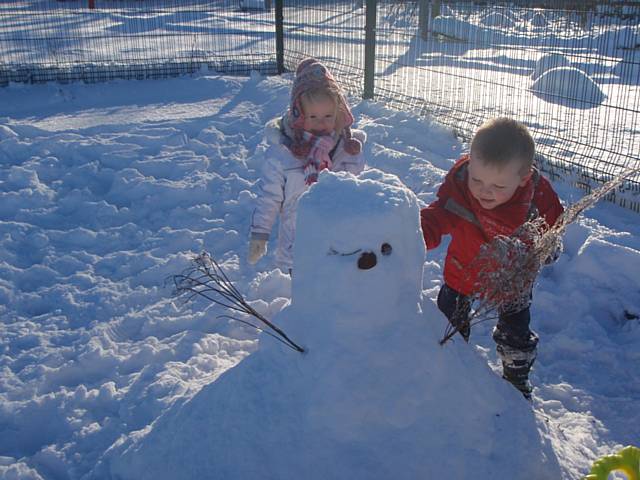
[(570, 70), (42, 40), (333, 31), (573, 76)]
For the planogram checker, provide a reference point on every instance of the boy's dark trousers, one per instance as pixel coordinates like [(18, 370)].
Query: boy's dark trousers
[(515, 342)]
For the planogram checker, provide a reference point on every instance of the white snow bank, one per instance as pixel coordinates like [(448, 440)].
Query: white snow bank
[(568, 85), (453, 27)]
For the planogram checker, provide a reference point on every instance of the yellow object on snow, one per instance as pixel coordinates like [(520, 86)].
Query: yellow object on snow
[(626, 461)]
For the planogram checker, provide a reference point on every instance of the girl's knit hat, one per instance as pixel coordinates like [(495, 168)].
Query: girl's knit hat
[(313, 75)]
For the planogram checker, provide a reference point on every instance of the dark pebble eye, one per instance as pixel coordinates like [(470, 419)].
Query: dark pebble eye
[(386, 249), (367, 260)]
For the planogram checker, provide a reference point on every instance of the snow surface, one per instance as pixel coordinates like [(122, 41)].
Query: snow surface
[(107, 190)]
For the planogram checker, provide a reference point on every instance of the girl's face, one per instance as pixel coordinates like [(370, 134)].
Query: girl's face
[(319, 115)]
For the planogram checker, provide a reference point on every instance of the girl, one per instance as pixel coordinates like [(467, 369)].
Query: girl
[(314, 134)]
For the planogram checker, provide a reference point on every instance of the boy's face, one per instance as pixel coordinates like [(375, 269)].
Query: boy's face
[(491, 185), (320, 115)]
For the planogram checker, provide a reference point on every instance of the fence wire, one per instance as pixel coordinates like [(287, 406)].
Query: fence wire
[(573, 76), (570, 70), (43, 40), (333, 31)]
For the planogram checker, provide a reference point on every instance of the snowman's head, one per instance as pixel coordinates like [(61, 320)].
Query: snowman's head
[(359, 245)]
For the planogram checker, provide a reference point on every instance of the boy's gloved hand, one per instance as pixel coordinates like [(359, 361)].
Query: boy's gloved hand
[(257, 249)]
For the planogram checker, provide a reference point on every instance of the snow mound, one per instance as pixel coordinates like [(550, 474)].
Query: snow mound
[(538, 20), (570, 86), (507, 12), (374, 393), (497, 19), (595, 258), (549, 61)]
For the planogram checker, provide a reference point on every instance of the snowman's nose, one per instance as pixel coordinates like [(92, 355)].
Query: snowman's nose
[(367, 260)]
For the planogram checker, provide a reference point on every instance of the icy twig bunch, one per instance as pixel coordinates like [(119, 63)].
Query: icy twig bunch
[(205, 278), (508, 265)]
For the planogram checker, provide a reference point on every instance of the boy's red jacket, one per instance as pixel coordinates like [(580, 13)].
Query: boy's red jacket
[(458, 213)]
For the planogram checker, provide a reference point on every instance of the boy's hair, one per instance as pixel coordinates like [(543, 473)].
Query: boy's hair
[(502, 140)]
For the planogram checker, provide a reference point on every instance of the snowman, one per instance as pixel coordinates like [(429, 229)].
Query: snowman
[(374, 396)]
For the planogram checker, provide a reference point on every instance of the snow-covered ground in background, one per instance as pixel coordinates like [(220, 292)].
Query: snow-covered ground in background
[(481, 67), (106, 190)]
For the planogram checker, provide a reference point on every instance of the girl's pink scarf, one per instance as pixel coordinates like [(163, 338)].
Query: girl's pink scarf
[(318, 157), (313, 151)]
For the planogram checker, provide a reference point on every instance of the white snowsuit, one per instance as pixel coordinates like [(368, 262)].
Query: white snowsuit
[(281, 185)]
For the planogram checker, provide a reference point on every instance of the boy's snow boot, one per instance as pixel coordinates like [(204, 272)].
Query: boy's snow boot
[(465, 332), (516, 365), (517, 362), (519, 379)]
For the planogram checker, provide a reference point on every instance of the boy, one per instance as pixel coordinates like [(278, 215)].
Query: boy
[(492, 191)]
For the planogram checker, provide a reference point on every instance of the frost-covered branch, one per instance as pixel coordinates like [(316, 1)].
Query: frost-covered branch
[(205, 278)]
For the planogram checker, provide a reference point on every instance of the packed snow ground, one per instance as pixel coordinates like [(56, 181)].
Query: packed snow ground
[(107, 190)]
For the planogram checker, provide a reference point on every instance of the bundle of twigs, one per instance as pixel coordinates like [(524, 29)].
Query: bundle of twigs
[(509, 265), (205, 278)]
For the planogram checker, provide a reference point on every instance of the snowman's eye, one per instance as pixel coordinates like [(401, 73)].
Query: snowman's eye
[(386, 249)]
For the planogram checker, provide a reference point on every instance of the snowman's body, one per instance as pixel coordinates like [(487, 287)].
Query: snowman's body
[(374, 396)]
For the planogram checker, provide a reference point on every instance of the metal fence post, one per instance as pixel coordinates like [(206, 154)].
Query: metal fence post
[(279, 36), (370, 48), (435, 8), (427, 11), (423, 18)]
